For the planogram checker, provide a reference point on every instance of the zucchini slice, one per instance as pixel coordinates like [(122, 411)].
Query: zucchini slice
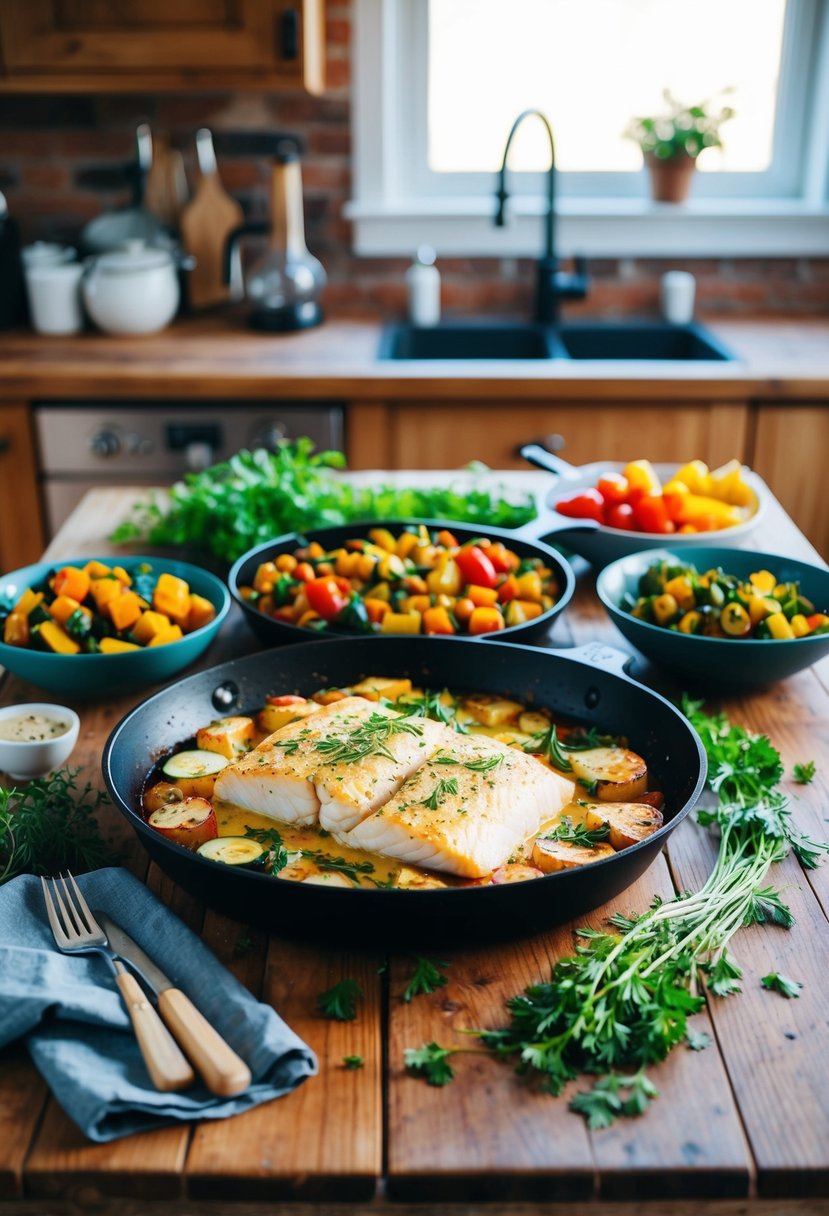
[(629, 822), (233, 851), (613, 774), (195, 763)]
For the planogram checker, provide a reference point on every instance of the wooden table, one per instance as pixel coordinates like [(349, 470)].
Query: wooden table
[(741, 1126)]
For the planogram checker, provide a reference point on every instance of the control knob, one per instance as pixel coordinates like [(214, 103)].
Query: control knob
[(105, 444)]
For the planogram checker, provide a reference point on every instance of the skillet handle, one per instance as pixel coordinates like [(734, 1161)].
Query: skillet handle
[(543, 458), (550, 523), (598, 655)]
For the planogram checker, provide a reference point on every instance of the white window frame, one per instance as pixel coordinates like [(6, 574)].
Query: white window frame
[(394, 210)]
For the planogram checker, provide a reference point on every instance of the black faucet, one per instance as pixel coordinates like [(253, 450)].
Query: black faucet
[(552, 284)]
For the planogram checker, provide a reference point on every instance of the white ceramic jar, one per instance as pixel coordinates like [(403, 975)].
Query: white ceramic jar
[(135, 291)]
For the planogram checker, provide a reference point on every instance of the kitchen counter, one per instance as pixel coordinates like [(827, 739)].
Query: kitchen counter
[(739, 1128), (217, 358)]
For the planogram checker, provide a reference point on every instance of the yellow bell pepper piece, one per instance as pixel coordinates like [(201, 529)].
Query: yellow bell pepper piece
[(641, 475), (57, 639), (401, 622), (28, 601), (682, 591), (763, 580), (800, 626), (116, 646), (696, 477), (779, 627), (446, 578)]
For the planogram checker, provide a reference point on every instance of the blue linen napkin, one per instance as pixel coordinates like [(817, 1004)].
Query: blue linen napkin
[(77, 1029)]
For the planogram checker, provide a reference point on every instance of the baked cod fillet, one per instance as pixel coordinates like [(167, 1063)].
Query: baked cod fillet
[(466, 809), (332, 768)]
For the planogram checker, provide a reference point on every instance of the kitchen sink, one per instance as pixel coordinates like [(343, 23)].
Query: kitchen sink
[(641, 340), (469, 340)]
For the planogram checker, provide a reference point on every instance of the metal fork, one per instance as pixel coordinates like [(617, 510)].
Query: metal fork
[(76, 931)]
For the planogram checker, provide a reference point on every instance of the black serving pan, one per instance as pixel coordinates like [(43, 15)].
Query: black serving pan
[(274, 632), (587, 684)]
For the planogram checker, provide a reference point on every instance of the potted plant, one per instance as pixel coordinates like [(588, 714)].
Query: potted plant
[(672, 141)]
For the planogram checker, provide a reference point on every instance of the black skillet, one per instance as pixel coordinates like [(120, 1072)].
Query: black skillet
[(586, 684), (274, 632)]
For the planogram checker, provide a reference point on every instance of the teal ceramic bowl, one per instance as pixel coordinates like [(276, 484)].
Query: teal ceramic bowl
[(109, 675), (717, 663)]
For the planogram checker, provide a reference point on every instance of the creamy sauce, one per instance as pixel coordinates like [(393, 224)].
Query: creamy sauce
[(31, 728)]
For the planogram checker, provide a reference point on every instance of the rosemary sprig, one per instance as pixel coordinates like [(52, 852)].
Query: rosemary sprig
[(485, 765), (369, 738), (430, 704), (579, 833), (441, 790)]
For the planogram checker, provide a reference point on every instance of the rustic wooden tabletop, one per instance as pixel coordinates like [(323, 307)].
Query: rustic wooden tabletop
[(743, 1125)]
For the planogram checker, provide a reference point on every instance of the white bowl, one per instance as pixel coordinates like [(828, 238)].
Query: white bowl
[(24, 760)]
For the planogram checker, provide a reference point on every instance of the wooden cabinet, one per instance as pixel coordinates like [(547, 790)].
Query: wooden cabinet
[(448, 434), (791, 450), (124, 45), (21, 524)]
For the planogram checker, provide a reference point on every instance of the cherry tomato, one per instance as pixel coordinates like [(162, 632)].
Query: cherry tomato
[(327, 596), (475, 566), (651, 515), (613, 487), (286, 699), (653, 798), (620, 515), (587, 504)]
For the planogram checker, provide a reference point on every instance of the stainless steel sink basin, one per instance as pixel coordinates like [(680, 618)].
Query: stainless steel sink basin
[(581, 340)]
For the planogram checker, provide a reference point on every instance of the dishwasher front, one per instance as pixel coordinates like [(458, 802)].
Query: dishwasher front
[(83, 446)]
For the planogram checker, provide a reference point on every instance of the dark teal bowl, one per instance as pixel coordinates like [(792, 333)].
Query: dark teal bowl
[(717, 663), (84, 675)]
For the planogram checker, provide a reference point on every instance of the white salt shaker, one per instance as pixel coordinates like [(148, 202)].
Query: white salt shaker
[(423, 283), (676, 294)]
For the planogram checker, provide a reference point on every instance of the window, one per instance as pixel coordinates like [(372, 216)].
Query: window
[(439, 83)]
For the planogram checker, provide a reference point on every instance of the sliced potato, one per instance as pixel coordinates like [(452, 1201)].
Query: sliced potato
[(492, 711), (275, 716), (551, 855), (515, 871), (417, 880), (161, 794), (327, 696), (229, 737), (532, 722), (629, 822), (619, 775), (376, 687)]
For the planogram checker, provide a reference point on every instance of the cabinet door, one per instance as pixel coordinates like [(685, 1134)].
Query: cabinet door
[(791, 450), (21, 524), (445, 435), (161, 44)]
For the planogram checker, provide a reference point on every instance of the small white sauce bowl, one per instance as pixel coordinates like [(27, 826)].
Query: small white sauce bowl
[(22, 760)]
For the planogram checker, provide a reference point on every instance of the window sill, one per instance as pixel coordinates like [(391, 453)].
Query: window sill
[(595, 227)]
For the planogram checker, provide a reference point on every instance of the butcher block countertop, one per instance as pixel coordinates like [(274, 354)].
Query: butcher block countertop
[(741, 1127), (220, 358)]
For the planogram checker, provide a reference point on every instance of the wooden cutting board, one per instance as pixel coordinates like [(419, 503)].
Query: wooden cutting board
[(205, 223)]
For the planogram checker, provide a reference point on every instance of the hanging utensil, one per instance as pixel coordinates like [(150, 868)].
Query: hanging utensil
[(206, 222)]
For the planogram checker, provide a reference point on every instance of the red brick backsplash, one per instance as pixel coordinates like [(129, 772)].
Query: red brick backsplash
[(62, 161)]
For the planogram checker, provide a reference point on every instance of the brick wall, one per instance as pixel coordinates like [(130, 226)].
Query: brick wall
[(62, 162)]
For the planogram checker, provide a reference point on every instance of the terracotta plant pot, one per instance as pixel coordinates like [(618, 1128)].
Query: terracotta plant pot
[(670, 179)]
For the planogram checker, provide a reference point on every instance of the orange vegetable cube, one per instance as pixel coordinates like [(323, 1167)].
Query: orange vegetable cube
[(73, 582), (509, 589), (172, 597), (265, 577), (105, 589), (201, 613), (124, 610), (530, 609), (62, 607), (149, 625), (376, 609), (485, 620), (16, 630), (482, 597), (436, 620), (57, 639), (97, 569), (116, 646), (172, 634), (122, 576), (28, 601)]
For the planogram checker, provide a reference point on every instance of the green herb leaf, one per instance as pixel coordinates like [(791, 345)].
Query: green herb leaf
[(579, 833), (698, 1040), (782, 984), (431, 1061), (352, 1062), (369, 738), (51, 825), (426, 978), (340, 1002), (441, 790), (804, 773), (277, 856)]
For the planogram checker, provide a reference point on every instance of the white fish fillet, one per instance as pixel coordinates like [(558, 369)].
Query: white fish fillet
[(295, 776), (474, 825)]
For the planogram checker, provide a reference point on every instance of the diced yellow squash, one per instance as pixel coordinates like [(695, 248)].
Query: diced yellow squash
[(274, 717), (57, 639), (229, 737), (800, 626), (122, 576), (696, 476), (172, 596), (28, 601), (401, 622), (63, 606), (149, 625), (201, 613), (97, 569), (116, 646), (779, 627), (173, 633), (763, 581), (124, 610), (16, 630), (105, 589), (376, 687)]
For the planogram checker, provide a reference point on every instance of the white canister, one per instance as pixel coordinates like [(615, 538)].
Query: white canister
[(54, 295), (45, 253), (676, 294), (132, 292), (423, 283)]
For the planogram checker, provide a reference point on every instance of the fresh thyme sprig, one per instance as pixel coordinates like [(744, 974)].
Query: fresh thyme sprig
[(441, 790), (51, 825), (369, 738), (430, 704), (485, 765), (426, 977), (579, 833)]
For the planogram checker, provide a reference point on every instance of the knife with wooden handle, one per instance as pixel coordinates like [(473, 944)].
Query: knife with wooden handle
[(222, 1070)]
